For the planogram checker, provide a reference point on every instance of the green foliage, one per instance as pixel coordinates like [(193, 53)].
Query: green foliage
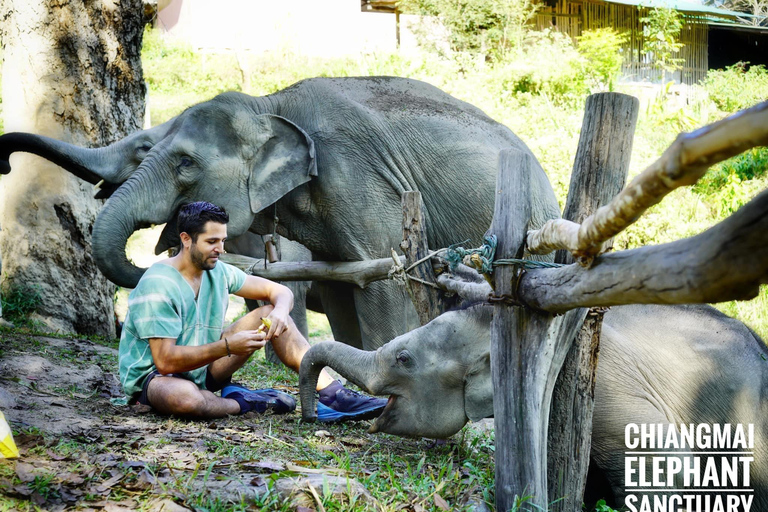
[(176, 70), (601, 48), (547, 64), (726, 178), (601, 506), (19, 301), (737, 87), (490, 28), (661, 37)]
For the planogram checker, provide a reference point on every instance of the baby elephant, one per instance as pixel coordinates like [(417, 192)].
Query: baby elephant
[(658, 365)]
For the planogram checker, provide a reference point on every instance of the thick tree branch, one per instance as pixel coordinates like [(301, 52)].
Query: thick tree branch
[(727, 262), (683, 163)]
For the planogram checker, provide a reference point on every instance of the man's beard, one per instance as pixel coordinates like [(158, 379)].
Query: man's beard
[(199, 259)]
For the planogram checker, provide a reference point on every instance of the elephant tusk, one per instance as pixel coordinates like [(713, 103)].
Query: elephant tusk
[(98, 185)]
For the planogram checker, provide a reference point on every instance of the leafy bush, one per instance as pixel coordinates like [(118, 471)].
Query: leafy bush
[(548, 64), (661, 37), (749, 165), (737, 87), (487, 27), (601, 506), (601, 48), (172, 67)]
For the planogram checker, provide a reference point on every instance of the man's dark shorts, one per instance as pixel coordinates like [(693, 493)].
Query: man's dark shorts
[(141, 398)]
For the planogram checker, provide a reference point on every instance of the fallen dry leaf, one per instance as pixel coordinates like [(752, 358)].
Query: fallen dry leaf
[(105, 486), (354, 441), (71, 478), (122, 506), (318, 471), (441, 503), (25, 472), (270, 465)]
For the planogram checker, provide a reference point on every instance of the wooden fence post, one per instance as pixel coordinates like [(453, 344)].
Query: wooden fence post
[(527, 350), (599, 173), (426, 299)]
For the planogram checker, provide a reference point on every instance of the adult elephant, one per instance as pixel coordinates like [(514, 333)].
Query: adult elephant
[(330, 157), (658, 365)]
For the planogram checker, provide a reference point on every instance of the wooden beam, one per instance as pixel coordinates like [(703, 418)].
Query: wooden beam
[(726, 262), (360, 273), (426, 299), (527, 349), (599, 173)]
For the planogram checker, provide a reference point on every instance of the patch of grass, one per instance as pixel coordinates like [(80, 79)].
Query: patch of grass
[(729, 174), (74, 391), (43, 485), (318, 326), (9, 504), (19, 301)]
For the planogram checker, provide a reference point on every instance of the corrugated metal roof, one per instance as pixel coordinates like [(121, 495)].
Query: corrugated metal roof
[(684, 6)]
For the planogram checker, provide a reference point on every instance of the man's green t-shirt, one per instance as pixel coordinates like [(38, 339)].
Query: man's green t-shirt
[(163, 305)]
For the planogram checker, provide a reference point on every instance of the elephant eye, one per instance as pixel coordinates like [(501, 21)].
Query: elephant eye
[(403, 357), (142, 150), (185, 161)]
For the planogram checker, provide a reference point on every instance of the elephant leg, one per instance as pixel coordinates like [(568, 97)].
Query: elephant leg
[(385, 311), (339, 306), (251, 244), (298, 314)]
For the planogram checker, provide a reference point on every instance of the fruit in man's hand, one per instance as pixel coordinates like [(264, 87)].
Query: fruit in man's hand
[(266, 323)]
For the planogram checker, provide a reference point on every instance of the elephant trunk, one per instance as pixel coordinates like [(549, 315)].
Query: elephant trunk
[(91, 165), (123, 214), (358, 366)]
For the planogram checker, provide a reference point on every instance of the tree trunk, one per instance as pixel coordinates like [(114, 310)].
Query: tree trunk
[(527, 351), (71, 71), (428, 301)]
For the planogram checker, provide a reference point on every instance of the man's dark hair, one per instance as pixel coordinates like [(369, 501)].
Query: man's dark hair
[(193, 216)]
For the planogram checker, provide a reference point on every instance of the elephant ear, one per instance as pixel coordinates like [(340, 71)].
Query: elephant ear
[(478, 389), (284, 159)]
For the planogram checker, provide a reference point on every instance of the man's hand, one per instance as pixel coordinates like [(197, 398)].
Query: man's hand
[(245, 343), (281, 297), (279, 322)]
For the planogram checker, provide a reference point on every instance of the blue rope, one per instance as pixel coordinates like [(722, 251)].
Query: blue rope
[(483, 257)]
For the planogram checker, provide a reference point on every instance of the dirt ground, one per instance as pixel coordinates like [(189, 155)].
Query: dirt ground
[(83, 449)]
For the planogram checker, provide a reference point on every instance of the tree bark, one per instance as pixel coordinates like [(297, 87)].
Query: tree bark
[(527, 350), (427, 300), (72, 71), (599, 173)]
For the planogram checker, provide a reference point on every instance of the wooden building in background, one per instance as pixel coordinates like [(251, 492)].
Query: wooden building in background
[(574, 16)]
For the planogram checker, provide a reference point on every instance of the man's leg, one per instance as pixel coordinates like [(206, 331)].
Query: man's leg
[(290, 348), (181, 397), (336, 403)]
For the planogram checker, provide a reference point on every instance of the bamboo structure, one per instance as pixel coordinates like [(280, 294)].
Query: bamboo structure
[(573, 17)]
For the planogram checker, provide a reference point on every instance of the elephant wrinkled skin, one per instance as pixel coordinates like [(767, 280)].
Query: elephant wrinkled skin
[(657, 364), (330, 157)]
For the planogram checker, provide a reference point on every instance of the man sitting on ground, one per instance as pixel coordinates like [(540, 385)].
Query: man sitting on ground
[(174, 354)]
